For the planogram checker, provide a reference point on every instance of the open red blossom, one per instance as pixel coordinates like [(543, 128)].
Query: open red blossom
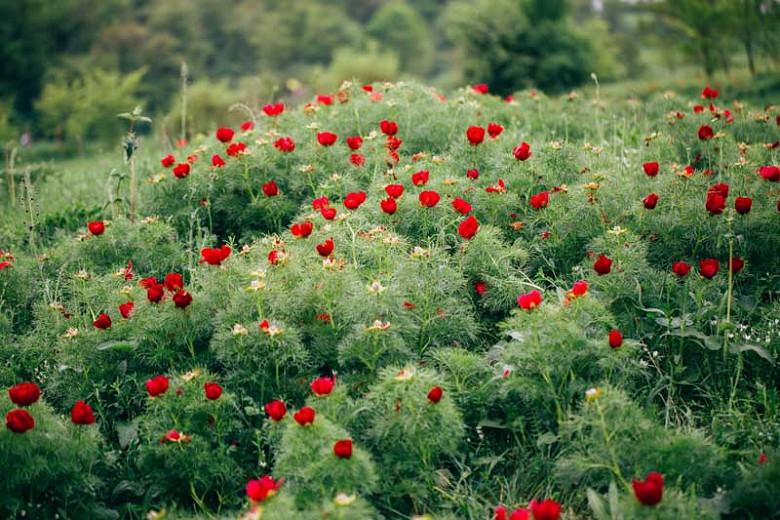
[(302, 230), (420, 178), (324, 99), (522, 151), (393, 143), (157, 386), (125, 309), (469, 227), (480, 88), (147, 282), (579, 288), (276, 410), (343, 448), (530, 300), (273, 109), (681, 269), (388, 205), (354, 142), (212, 390), (649, 492), (770, 173), (225, 135), (461, 206), (103, 321), (173, 281), (182, 299), (475, 135), (708, 267), (325, 248), (480, 287), (472, 174), (651, 168), (285, 144), (328, 213), (96, 227), (540, 200), (709, 93), (181, 170), (354, 199), (246, 126), (215, 255), (736, 264), (304, 416), (320, 202), (715, 203), (429, 198), (547, 509), (743, 205), (217, 161), (434, 394), (155, 293), (357, 159), (706, 133), (498, 187), (236, 149), (615, 338), (602, 265), (24, 394), (19, 421), (82, 413), (650, 201), (322, 386), (327, 138), (168, 161), (394, 190), (270, 189), (263, 488), (494, 130), (388, 127)]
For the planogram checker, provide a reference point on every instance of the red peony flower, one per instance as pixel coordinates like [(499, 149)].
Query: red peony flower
[(235, 149), (357, 159), (125, 309), (82, 413), (212, 390), (354, 142), (388, 205), (322, 386), (276, 410), (326, 138), (715, 203), (709, 93), (263, 488), (522, 151), (273, 109), (354, 199), (770, 173), (579, 288), (681, 269), (615, 338), (225, 135), (472, 174), (24, 394), (602, 265), (302, 230), (96, 227), (304, 416), (320, 202), (651, 168), (325, 248), (217, 161), (102, 322), (743, 205), (429, 198), (157, 386), (324, 99), (434, 394), (461, 206), (182, 299), (168, 161), (706, 133), (540, 200), (181, 170), (388, 127), (393, 143), (498, 187), (547, 509), (650, 201), (270, 189), (19, 421), (420, 178), (328, 213), (494, 130), (736, 264), (530, 300), (649, 491), (285, 144), (708, 267), (394, 190), (173, 281), (480, 88), (246, 126), (469, 227), (343, 448), (475, 135), (215, 255)]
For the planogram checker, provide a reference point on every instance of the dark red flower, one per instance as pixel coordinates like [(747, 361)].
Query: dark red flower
[(212, 390), (285, 144), (328, 213), (468, 228), (125, 309), (388, 205), (434, 394), (579, 288), (393, 143), (480, 88), (429, 198), (522, 151), (354, 199), (650, 201), (461, 206), (472, 174), (103, 321), (708, 267), (706, 133), (743, 205), (270, 189), (650, 491), (475, 135), (155, 293), (326, 138), (354, 142), (273, 109), (388, 127), (302, 230), (236, 149), (246, 126), (168, 161), (263, 488), (82, 413), (322, 386), (394, 190), (480, 287), (615, 338), (494, 130), (215, 255), (651, 168), (325, 248), (547, 509), (709, 93), (324, 99), (540, 200), (602, 265), (96, 227), (225, 135), (182, 299), (320, 202), (736, 264), (420, 178), (770, 173), (181, 170), (343, 448), (715, 203), (147, 282), (24, 394), (357, 159), (276, 410), (157, 386), (19, 421), (530, 300), (217, 161), (681, 269), (173, 281), (304, 416)]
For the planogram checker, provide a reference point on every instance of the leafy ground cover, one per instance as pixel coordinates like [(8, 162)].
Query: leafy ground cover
[(390, 303)]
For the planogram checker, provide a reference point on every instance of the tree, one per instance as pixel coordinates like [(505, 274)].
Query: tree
[(401, 30)]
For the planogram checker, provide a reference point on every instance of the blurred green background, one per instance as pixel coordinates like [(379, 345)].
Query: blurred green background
[(67, 67)]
